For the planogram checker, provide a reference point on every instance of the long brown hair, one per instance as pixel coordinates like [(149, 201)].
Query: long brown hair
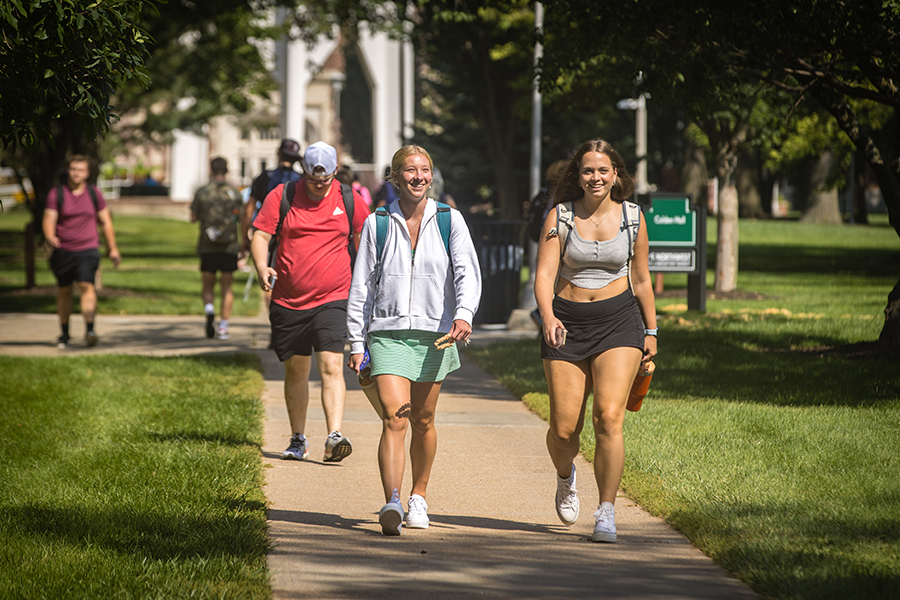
[(567, 188)]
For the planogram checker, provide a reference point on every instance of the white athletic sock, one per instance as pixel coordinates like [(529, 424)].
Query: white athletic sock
[(209, 309)]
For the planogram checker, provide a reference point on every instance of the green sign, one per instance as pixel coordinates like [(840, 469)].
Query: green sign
[(671, 222)]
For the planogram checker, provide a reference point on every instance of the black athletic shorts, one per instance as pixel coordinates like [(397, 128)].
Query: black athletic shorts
[(594, 327), (74, 266), (218, 261), (323, 329)]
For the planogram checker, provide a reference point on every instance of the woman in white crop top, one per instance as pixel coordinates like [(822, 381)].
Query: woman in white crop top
[(596, 332)]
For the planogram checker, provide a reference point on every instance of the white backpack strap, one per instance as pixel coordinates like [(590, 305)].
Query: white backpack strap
[(564, 223), (631, 222)]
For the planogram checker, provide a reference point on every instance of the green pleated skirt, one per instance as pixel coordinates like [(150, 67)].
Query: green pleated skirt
[(410, 353)]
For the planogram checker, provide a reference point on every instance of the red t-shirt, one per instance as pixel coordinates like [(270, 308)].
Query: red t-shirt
[(76, 226), (313, 263)]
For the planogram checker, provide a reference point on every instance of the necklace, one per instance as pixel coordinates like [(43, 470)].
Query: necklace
[(597, 225)]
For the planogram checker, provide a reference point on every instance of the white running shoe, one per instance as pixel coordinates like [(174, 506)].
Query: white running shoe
[(222, 333), (417, 517), (605, 529), (391, 516), (567, 504)]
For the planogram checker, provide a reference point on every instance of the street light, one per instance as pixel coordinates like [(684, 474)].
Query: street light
[(639, 105)]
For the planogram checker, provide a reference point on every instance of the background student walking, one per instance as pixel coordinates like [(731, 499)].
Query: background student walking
[(414, 294), (217, 207), (69, 225), (596, 332)]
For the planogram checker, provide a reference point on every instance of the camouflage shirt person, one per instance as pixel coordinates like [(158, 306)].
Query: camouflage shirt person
[(218, 208)]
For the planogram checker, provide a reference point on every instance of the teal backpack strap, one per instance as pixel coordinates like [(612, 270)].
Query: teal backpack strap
[(443, 219), (381, 225)]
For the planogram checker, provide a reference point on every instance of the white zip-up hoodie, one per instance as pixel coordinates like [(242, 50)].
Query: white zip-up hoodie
[(427, 292)]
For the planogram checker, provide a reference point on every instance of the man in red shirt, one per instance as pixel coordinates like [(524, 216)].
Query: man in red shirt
[(70, 228), (309, 296)]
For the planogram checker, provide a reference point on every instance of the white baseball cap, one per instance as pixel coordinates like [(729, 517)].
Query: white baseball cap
[(320, 156)]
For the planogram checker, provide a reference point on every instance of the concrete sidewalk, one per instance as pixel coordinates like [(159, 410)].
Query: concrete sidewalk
[(494, 531)]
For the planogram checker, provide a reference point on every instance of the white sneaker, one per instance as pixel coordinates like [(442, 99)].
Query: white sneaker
[(391, 516), (417, 518), (222, 333), (605, 529), (567, 504)]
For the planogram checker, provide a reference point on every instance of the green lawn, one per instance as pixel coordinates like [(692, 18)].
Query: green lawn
[(778, 460), (131, 477), (159, 273)]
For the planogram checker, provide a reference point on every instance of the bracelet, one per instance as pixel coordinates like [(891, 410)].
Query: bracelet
[(652, 332)]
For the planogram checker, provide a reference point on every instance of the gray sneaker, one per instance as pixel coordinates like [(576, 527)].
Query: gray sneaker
[(337, 447), (567, 504), (91, 338), (299, 448), (417, 517), (605, 529)]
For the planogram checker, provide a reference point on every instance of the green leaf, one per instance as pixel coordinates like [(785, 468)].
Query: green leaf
[(49, 73)]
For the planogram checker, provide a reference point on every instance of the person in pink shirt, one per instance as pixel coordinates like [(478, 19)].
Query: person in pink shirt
[(69, 224)]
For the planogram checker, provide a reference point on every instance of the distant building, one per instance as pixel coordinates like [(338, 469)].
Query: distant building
[(358, 99)]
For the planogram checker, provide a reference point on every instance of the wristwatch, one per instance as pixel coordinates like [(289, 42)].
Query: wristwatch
[(652, 332)]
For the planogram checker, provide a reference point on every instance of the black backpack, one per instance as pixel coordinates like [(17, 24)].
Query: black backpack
[(287, 196)]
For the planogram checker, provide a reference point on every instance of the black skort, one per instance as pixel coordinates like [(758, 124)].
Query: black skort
[(594, 327)]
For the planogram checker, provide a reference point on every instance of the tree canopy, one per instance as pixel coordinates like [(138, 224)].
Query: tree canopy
[(66, 58)]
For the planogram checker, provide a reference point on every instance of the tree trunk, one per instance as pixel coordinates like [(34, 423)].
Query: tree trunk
[(727, 244), (694, 175), (749, 200), (728, 146), (822, 205), (890, 333)]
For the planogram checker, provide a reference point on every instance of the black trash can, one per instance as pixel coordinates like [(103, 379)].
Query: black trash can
[(499, 245)]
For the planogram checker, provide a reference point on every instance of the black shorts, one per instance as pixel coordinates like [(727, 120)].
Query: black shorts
[(323, 329), (74, 266), (594, 327), (218, 261)]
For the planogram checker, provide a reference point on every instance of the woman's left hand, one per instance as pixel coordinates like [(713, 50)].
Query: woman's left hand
[(460, 331), (649, 348)]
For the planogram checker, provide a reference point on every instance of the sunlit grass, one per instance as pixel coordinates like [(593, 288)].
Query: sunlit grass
[(130, 477)]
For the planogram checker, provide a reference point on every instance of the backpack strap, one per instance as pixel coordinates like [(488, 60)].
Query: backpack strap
[(444, 222), (349, 205), (60, 194), (381, 226), (631, 222), (287, 196), (564, 223)]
